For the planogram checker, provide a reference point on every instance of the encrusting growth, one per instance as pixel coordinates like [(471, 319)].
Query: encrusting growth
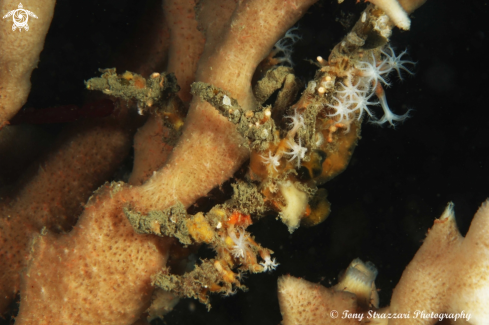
[(129, 236), (222, 228), (207, 138)]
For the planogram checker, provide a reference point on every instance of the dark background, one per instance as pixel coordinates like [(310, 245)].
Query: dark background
[(398, 180)]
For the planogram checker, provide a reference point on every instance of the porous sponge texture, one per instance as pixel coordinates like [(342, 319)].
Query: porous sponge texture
[(100, 273), (470, 280), (306, 303), (54, 192)]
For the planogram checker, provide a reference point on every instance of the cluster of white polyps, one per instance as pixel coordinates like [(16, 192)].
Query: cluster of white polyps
[(364, 80), (298, 151), (284, 46)]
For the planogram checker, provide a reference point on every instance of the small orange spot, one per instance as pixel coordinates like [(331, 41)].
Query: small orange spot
[(240, 219), (441, 221), (139, 82), (214, 287)]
